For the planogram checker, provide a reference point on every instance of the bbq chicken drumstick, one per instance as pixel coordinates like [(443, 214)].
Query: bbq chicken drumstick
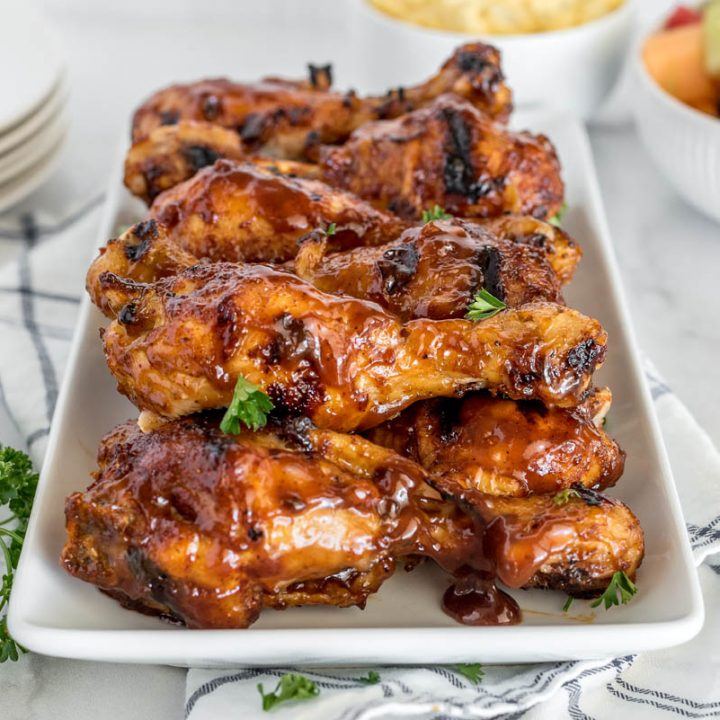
[(301, 517), (181, 345), (522, 262), (503, 447), (447, 153), (250, 213), (288, 119)]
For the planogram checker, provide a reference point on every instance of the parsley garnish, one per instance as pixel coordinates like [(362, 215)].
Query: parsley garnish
[(556, 219), (291, 686), (372, 678), (563, 497), (472, 671), (484, 306), (331, 229), (435, 213), (249, 406), (568, 603), (18, 482), (619, 592)]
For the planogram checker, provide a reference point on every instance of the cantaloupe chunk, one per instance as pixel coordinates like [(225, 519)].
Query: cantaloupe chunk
[(676, 59)]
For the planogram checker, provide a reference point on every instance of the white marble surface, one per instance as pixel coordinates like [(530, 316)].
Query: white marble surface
[(117, 53)]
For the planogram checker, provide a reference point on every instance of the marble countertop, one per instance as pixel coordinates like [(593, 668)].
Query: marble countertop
[(669, 254)]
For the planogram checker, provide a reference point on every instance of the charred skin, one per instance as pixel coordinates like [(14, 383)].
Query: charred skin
[(288, 119), (174, 153), (213, 547), (402, 276), (260, 522), (502, 447), (522, 262), (447, 154), (181, 345)]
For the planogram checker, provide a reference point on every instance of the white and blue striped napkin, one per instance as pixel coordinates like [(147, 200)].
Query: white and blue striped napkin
[(40, 290)]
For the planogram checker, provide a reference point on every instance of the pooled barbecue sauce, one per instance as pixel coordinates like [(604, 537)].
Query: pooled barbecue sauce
[(475, 599)]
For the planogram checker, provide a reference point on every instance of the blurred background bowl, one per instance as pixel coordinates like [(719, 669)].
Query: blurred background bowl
[(569, 70), (683, 142)]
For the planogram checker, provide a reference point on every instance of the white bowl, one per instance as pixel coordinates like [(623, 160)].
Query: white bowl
[(569, 70), (683, 142)]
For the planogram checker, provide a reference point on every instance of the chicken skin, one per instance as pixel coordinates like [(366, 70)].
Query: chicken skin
[(288, 119), (502, 447), (518, 266), (174, 153), (537, 541), (298, 516), (208, 529), (447, 153), (249, 213), (180, 346), (402, 277)]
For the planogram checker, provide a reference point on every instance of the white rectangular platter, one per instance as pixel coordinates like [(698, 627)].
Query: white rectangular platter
[(55, 614)]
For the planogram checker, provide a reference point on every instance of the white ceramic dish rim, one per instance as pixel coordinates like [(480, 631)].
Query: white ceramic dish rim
[(44, 34), (577, 31), (32, 150), (402, 645), (36, 120), (17, 188), (701, 119)]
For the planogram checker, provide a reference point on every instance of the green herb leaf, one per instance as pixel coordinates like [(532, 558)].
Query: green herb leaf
[(568, 603), (472, 671), (619, 592), (372, 678), (435, 213), (331, 229), (9, 649), (563, 497), (556, 219), (18, 482), (484, 306), (249, 406), (292, 686)]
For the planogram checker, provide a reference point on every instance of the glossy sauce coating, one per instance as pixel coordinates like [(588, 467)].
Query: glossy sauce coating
[(261, 520), (403, 277), (245, 212), (345, 363), (503, 447), (287, 119), (208, 529), (448, 154)]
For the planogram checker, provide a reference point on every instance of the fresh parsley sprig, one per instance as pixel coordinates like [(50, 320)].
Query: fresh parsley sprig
[(291, 686), (249, 406), (472, 671), (435, 213), (619, 592), (484, 306), (331, 229), (563, 497), (372, 678), (557, 218), (18, 482)]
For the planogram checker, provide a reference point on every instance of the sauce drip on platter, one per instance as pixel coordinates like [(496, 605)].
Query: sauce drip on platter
[(475, 599)]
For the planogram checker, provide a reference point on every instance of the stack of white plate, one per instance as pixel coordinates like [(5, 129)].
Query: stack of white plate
[(32, 100)]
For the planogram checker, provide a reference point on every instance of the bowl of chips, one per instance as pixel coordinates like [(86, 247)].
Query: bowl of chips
[(559, 54)]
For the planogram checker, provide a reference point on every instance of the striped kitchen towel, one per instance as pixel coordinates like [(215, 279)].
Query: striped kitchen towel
[(40, 290)]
